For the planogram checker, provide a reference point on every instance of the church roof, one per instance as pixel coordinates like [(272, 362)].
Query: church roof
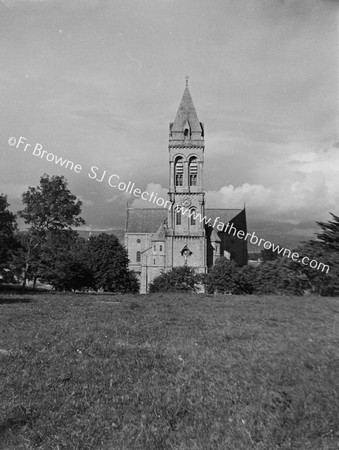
[(145, 220), (214, 236), (160, 234), (186, 112)]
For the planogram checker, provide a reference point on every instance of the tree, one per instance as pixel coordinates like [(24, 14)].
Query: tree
[(324, 250), (329, 237), (178, 279), (226, 277), (51, 206), (108, 261), (48, 207), (61, 262), (26, 243), (279, 277), (8, 226), (324, 278)]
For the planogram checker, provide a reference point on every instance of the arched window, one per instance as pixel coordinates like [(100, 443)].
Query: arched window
[(178, 217), (138, 257), (193, 216), (193, 171), (179, 171)]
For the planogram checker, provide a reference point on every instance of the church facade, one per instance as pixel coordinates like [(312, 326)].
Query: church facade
[(158, 239)]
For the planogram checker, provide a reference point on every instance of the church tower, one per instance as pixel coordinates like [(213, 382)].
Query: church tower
[(186, 243), (158, 239)]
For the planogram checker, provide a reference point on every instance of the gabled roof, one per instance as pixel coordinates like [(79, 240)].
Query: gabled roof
[(160, 234), (186, 112), (214, 236), (145, 220)]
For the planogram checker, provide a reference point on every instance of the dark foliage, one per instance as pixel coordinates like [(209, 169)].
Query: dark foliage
[(276, 277), (8, 243), (108, 261), (329, 237), (61, 261), (48, 208), (51, 205), (324, 280), (226, 277), (179, 279)]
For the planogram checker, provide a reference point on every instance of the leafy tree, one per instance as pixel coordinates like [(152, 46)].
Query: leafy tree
[(26, 243), (61, 262), (178, 279), (108, 261), (329, 237), (280, 276), (226, 277), (8, 226), (323, 279), (51, 206), (48, 207)]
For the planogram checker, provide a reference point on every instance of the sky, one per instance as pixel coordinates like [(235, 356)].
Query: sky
[(97, 82)]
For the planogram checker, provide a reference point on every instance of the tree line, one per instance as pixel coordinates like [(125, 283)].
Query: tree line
[(275, 275), (52, 251)]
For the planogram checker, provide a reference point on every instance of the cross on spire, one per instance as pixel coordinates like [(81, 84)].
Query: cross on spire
[(187, 77)]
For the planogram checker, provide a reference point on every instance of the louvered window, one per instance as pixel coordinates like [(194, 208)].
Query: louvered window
[(179, 172), (193, 171)]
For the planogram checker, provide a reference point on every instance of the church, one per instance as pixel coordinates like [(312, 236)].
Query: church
[(158, 239)]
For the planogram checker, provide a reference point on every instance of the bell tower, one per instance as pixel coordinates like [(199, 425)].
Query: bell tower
[(186, 229)]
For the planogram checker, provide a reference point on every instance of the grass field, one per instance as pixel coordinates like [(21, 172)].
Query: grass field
[(168, 372)]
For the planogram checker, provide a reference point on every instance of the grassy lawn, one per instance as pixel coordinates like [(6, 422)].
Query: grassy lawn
[(168, 372)]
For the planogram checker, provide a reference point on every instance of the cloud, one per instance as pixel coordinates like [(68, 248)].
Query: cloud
[(307, 185), (85, 202), (152, 188), (104, 90), (70, 3), (17, 3), (305, 191), (13, 190)]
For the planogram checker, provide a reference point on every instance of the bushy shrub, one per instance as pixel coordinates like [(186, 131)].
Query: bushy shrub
[(272, 277), (61, 263), (279, 277), (108, 261), (179, 279), (226, 277), (323, 280)]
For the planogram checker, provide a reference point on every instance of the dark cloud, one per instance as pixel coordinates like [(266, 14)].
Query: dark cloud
[(100, 85)]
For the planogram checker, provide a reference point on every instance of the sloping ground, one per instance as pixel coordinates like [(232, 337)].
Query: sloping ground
[(168, 372)]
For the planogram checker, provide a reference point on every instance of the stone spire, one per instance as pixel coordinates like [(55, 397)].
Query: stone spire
[(186, 112)]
